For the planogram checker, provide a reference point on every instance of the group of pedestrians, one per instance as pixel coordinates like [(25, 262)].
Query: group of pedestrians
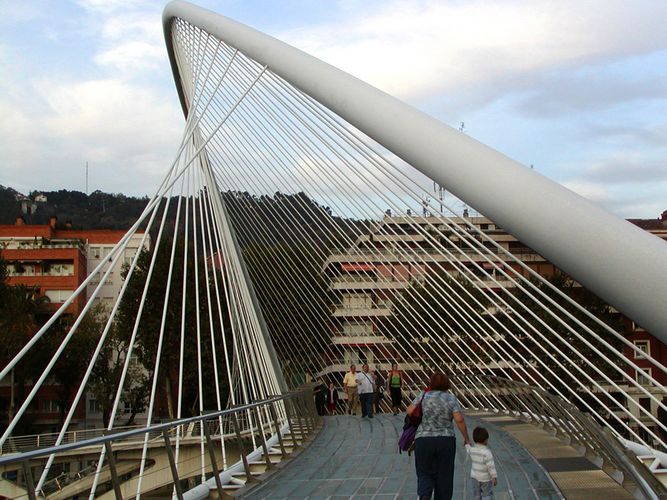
[(435, 443), (367, 389)]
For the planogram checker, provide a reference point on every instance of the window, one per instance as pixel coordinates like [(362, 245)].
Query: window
[(357, 329), (644, 346), (21, 269), (93, 406), (645, 403), (128, 256), (641, 376), (58, 296), (357, 301), (96, 252), (51, 406), (386, 303), (126, 408), (59, 269)]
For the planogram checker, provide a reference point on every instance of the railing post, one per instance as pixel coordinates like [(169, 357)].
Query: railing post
[(265, 448), (304, 404), (274, 417), (172, 465), (211, 453), (290, 421), (303, 415), (29, 483), (113, 471), (313, 409), (239, 439)]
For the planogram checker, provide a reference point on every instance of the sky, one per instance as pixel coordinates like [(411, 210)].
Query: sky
[(577, 89)]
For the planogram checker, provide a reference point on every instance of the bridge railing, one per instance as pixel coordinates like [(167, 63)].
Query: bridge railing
[(279, 422), (34, 441), (563, 419)]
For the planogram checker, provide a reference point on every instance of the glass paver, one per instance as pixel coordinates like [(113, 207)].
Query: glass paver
[(355, 458)]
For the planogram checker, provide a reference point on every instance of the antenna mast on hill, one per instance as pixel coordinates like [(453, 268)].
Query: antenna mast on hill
[(86, 178)]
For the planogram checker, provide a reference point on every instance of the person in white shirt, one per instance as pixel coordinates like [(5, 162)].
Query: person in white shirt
[(350, 386), (483, 472), (366, 388)]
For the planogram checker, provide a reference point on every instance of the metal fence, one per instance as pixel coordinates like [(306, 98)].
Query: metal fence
[(281, 422), (564, 420)]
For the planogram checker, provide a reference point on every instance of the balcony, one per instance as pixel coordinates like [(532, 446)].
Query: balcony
[(50, 244), (349, 284), (427, 255), (375, 312), (343, 365), (368, 339)]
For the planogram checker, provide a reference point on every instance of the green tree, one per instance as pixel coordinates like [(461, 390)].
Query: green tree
[(531, 345), (288, 311), (431, 323), (107, 374), (22, 313), (149, 327)]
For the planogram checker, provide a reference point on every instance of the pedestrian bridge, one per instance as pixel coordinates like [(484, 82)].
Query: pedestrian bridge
[(355, 458), (339, 456), (309, 221)]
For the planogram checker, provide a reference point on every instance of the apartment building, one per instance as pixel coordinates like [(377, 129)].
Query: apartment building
[(56, 259), (98, 244), (366, 279), (37, 255)]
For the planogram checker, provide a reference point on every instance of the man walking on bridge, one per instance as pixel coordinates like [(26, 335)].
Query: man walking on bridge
[(366, 385), (350, 385)]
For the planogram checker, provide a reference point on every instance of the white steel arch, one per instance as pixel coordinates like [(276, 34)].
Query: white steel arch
[(619, 262)]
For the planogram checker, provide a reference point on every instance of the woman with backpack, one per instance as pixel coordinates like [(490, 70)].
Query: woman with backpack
[(435, 444)]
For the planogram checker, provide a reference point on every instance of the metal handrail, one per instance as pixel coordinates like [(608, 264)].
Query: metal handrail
[(245, 419), (115, 436), (34, 441), (566, 420)]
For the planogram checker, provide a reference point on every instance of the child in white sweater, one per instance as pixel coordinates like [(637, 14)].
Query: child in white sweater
[(483, 472)]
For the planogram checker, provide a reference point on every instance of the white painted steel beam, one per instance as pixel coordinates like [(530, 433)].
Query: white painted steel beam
[(621, 263)]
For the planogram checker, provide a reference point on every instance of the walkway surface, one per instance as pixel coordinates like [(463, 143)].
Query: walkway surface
[(358, 458)]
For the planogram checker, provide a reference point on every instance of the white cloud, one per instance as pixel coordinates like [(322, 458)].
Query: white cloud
[(135, 26), (592, 191), (108, 6), (627, 169), (133, 57), (127, 132), (119, 110), (417, 49)]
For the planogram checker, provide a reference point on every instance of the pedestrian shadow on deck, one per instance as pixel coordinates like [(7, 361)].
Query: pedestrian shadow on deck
[(358, 458)]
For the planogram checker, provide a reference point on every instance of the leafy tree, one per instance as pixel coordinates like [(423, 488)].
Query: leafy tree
[(530, 345), (288, 311), (429, 322), (149, 327), (21, 315), (107, 374)]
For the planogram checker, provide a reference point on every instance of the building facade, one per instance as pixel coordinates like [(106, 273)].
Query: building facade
[(56, 260), (366, 279)]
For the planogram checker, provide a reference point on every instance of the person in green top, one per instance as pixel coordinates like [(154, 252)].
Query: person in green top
[(395, 383)]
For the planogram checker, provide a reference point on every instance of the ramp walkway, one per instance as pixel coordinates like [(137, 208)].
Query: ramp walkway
[(358, 458)]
